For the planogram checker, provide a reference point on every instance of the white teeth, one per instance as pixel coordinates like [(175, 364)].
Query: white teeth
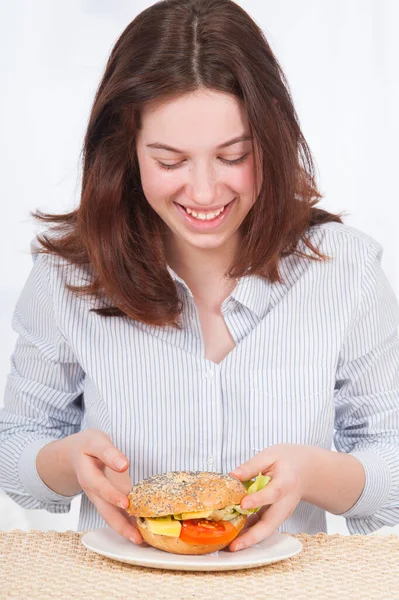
[(205, 216)]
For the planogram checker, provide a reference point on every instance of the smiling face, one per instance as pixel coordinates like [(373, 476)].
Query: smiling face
[(196, 162)]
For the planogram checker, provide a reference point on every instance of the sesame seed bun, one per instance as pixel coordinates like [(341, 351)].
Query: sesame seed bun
[(184, 491), (177, 546)]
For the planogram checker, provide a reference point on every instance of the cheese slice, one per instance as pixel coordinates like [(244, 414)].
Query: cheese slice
[(202, 514), (164, 526)]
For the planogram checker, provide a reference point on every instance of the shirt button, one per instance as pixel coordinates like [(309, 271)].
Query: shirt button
[(209, 374), (211, 462)]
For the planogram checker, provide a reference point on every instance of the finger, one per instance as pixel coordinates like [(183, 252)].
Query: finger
[(116, 519), (100, 446), (269, 495), (121, 481), (251, 520), (268, 524), (93, 480), (260, 463)]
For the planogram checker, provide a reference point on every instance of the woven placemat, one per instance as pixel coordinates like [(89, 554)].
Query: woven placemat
[(56, 565)]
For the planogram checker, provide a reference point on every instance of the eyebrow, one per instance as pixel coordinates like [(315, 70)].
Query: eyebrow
[(236, 140)]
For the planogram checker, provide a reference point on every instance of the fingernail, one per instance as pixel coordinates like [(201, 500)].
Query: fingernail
[(122, 505), (132, 540), (120, 463), (239, 547), (247, 504)]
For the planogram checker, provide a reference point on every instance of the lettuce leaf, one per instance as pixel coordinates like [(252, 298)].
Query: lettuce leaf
[(253, 485), (257, 484)]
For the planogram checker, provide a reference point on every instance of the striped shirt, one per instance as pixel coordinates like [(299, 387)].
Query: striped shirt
[(316, 362)]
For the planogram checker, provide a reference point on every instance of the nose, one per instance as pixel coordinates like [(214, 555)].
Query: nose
[(202, 185)]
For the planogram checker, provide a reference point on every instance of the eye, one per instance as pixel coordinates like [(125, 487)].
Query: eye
[(169, 167), (237, 161)]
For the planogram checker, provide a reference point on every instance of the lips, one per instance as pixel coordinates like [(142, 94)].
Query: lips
[(203, 223), (204, 216)]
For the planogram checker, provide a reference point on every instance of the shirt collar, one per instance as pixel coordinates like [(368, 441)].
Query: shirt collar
[(179, 280), (252, 291)]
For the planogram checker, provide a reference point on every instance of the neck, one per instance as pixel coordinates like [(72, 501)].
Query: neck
[(204, 270)]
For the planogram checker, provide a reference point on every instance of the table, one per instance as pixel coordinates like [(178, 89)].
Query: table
[(56, 565)]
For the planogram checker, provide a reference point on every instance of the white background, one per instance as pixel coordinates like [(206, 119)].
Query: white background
[(341, 61)]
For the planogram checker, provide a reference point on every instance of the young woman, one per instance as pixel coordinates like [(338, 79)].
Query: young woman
[(197, 311)]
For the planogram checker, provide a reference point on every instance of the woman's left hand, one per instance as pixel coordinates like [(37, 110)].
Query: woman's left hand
[(286, 464)]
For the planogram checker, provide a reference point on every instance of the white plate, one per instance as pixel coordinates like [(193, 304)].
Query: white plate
[(106, 542)]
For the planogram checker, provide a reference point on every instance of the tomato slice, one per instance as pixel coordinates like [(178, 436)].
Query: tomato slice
[(201, 531)]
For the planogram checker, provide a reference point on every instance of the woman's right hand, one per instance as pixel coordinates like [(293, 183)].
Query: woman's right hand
[(101, 470), (89, 461)]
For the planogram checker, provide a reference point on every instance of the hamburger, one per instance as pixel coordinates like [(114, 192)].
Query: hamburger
[(191, 512)]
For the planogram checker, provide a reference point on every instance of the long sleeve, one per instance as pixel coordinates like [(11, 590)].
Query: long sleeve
[(43, 394), (367, 399)]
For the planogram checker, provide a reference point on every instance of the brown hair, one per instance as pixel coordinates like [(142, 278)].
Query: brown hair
[(172, 48)]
